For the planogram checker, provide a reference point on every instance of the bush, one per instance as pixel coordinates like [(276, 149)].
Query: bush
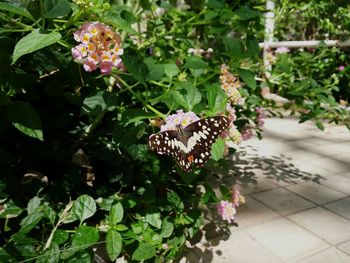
[(76, 171)]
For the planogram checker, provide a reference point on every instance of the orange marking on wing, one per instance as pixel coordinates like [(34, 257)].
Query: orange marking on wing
[(190, 158)]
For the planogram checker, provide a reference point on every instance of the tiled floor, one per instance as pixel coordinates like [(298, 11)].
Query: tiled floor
[(297, 186)]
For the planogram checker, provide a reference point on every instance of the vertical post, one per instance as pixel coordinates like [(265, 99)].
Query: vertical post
[(269, 28)]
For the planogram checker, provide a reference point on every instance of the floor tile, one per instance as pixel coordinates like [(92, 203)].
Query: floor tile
[(346, 174), (253, 213), (331, 164), (303, 154), (337, 182), (341, 207), (327, 256), (286, 240), (340, 147), (345, 247), (283, 201), (257, 185), (239, 248), (325, 224), (316, 193)]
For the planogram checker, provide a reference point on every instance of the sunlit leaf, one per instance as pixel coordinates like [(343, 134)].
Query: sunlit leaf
[(34, 41), (143, 252), (217, 150), (84, 237), (25, 118), (154, 220), (84, 207), (15, 9), (116, 214), (114, 243)]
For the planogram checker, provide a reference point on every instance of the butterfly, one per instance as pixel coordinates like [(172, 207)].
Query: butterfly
[(190, 145)]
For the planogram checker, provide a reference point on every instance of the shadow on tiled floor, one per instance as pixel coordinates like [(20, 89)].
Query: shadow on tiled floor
[(297, 185)]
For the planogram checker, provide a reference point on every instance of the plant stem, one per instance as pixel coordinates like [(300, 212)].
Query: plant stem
[(145, 104), (60, 220)]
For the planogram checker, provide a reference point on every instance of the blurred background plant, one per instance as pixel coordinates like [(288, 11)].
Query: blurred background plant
[(314, 79)]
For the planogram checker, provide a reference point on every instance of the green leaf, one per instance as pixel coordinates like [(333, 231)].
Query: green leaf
[(84, 207), (156, 71), (143, 252), (114, 244), (33, 204), (171, 70), (233, 47), (135, 115), (60, 236), (49, 213), (10, 210), (209, 196), (25, 118), (217, 99), (16, 9), (195, 63), (135, 66), (30, 221), (248, 78), (51, 255), (247, 13), (167, 228), (176, 202), (119, 23), (127, 135), (188, 96), (252, 43), (33, 42), (154, 220), (95, 104), (116, 214), (106, 203), (120, 227), (215, 3), (320, 125), (179, 98), (61, 9), (84, 237), (217, 150), (139, 151), (5, 257), (193, 97)]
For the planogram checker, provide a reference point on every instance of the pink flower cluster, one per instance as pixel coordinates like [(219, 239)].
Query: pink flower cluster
[(100, 47), (230, 85), (227, 209), (341, 67), (282, 50), (181, 117), (260, 118), (247, 133)]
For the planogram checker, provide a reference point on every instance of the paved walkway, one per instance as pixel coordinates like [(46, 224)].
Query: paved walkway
[(297, 185)]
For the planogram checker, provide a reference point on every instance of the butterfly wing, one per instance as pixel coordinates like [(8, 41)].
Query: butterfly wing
[(163, 143), (205, 132), (201, 136)]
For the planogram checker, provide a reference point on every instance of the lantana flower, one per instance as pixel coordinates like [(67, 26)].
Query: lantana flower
[(230, 85), (282, 50), (236, 198), (235, 135), (260, 118), (181, 117), (99, 47), (226, 210), (247, 133)]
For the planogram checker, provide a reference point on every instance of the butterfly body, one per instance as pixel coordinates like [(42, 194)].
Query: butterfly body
[(191, 144)]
